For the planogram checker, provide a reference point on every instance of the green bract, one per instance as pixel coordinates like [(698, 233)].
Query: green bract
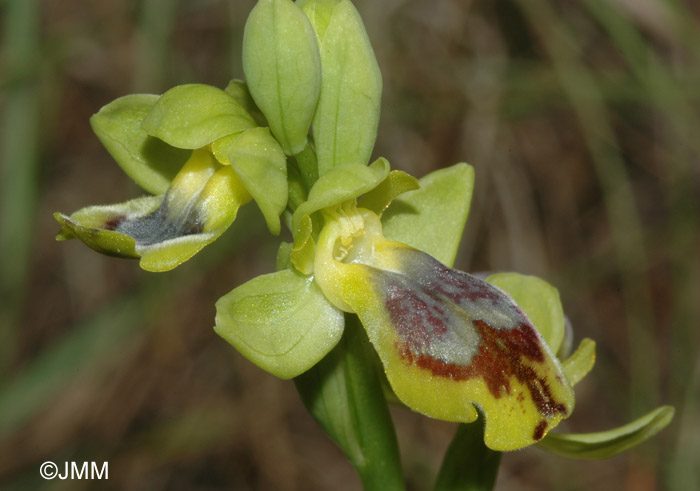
[(283, 68)]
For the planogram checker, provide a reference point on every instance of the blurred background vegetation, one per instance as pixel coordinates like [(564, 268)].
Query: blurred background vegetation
[(582, 120)]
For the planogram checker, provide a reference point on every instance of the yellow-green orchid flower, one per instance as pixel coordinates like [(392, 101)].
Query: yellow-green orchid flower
[(231, 162), (166, 230), (447, 340)]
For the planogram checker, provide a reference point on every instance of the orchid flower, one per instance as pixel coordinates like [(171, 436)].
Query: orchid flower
[(229, 162), (448, 341), (371, 247)]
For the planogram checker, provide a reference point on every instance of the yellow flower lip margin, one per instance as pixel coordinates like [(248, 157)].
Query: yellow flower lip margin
[(448, 341), (164, 231)]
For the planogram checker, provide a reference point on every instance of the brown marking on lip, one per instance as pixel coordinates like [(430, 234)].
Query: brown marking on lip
[(417, 321), (419, 315), (538, 434), (114, 222), (500, 357)]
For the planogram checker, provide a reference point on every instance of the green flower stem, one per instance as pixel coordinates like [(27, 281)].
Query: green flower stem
[(468, 464), (344, 394), (308, 165)]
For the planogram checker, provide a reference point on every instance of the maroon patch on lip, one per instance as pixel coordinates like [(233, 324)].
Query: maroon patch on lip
[(114, 222), (539, 430), (417, 321), (499, 358), (418, 313)]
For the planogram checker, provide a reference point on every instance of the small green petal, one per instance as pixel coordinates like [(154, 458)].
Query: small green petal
[(580, 362), (304, 250), (432, 218), (606, 444), (279, 321), (539, 300), (395, 184), (192, 116), (283, 69), (261, 166), (347, 115), (341, 184), (150, 162)]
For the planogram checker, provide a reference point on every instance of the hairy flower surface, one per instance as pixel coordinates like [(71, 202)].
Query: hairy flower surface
[(164, 231), (231, 161)]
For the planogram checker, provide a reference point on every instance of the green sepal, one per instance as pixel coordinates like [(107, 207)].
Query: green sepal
[(344, 394), (304, 250), (280, 321), (194, 115), (395, 184), (283, 69), (432, 218), (261, 166), (150, 162), (319, 13), (608, 443), (539, 300), (580, 362), (238, 89), (347, 115), (341, 184)]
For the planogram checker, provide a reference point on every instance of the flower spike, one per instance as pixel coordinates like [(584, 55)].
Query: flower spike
[(448, 341)]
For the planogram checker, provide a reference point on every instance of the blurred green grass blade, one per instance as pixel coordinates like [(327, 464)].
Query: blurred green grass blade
[(606, 444), (660, 84), (469, 465), (86, 345), (155, 26), (670, 88), (587, 102), (76, 352), (19, 157)]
